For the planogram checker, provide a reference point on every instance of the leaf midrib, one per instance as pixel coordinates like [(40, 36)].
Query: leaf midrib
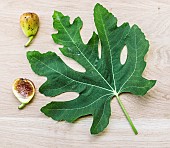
[(102, 112), (136, 60), (113, 76), (84, 106), (71, 78)]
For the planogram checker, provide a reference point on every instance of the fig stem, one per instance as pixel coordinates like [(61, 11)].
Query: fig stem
[(21, 106), (29, 41)]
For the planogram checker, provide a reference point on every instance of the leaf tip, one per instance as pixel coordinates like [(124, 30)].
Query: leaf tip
[(93, 132), (98, 6), (153, 82), (30, 54), (57, 15), (126, 24), (135, 26), (54, 37), (42, 109), (78, 22)]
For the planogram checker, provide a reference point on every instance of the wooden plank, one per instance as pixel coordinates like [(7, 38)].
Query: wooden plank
[(30, 128)]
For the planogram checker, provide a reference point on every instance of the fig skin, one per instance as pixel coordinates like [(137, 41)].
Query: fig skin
[(29, 23), (24, 91)]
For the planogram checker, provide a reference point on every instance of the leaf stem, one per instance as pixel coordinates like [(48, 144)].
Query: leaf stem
[(29, 41), (127, 115)]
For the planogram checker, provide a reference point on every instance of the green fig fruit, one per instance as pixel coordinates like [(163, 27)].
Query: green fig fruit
[(24, 90), (29, 23)]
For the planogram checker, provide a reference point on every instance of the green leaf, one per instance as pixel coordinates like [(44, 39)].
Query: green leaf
[(104, 78)]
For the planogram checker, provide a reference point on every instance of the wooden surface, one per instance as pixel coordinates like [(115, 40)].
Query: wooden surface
[(30, 128)]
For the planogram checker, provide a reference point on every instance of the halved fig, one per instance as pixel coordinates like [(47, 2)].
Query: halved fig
[(24, 90)]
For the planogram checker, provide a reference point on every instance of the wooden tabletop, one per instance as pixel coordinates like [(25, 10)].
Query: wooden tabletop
[(31, 129)]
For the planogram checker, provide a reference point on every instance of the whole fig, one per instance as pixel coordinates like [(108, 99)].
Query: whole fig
[(29, 23)]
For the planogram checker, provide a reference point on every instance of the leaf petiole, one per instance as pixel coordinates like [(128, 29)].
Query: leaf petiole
[(127, 115)]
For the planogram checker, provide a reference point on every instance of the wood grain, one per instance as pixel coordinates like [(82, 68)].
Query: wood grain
[(30, 128)]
